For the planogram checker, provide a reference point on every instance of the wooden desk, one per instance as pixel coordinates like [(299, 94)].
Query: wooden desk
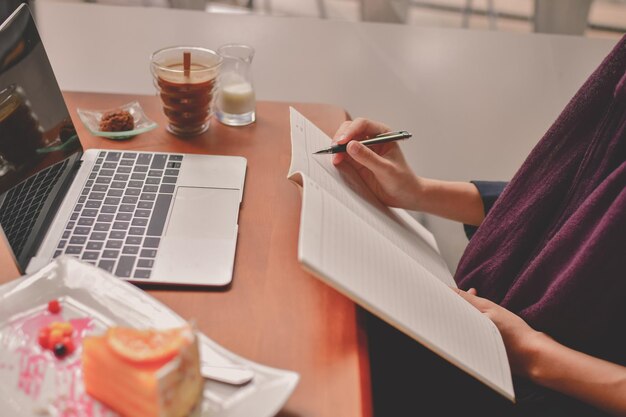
[(274, 313)]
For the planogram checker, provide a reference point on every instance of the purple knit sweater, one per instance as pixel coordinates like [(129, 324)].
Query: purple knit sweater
[(553, 247)]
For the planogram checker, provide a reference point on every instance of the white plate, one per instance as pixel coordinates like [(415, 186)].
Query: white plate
[(34, 383)]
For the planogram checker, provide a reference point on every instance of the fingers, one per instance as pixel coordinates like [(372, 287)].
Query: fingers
[(482, 304), (358, 129), (379, 166)]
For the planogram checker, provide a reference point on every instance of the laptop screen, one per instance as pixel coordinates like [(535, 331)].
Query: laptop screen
[(38, 143)]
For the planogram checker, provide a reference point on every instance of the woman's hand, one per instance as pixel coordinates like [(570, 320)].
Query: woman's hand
[(382, 167), (521, 341), (385, 171)]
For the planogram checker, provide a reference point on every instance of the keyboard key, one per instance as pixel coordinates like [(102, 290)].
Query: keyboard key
[(107, 173), (155, 173), (124, 217), (133, 191), (107, 265), (159, 214), (93, 204), (140, 168), (90, 255), (130, 250), (110, 254), (112, 200), (148, 253), (121, 225), (135, 184), (66, 234), (167, 188), (176, 157), (108, 209), (114, 244), (105, 218), (78, 207), (115, 192), (127, 208), (121, 177), (94, 245), (173, 172), (150, 189), (144, 159), (140, 221), (145, 205), (86, 221), (142, 213), (118, 184), (74, 216), (151, 242), (133, 240), (100, 187), (125, 266), (82, 199), (153, 180), (96, 196), (98, 236), (117, 234), (127, 163), (82, 230), (145, 263), (169, 180), (129, 155), (138, 176), (93, 176), (136, 230), (129, 200), (102, 227), (148, 196), (89, 183), (124, 170), (62, 244), (158, 161), (85, 191), (73, 250), (109, 165), (70, 225), (172, 164), (113, 156), (57, 254), (78, 240), (142, 273)]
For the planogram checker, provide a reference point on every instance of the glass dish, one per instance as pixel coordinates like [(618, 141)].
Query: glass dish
[(36, 384), (91, 119)]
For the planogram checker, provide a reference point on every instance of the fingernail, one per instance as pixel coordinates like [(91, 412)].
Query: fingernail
[(342, 137), (354, 147)]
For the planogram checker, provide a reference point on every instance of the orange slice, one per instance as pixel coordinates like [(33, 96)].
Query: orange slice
[(145, 345)]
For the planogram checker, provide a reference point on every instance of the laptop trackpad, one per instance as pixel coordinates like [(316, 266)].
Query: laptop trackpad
[(204, 212), (201, 237)]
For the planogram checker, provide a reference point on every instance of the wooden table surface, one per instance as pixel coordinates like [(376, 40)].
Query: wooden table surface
[(274, 312)]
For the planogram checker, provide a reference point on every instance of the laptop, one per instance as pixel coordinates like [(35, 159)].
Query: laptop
[(162, 218)]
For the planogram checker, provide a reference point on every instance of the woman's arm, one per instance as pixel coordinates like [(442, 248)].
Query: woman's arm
[(541, 359), (385, 171)]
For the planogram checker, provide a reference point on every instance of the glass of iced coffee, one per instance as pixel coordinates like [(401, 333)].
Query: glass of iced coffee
[(185, 79)]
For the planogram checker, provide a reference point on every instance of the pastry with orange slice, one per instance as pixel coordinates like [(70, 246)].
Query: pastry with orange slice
[(147, 373)]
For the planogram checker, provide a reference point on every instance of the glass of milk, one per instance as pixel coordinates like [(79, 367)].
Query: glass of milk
[(236, 102)]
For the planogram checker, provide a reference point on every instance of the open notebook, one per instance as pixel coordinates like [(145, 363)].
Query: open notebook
[(388, 263)]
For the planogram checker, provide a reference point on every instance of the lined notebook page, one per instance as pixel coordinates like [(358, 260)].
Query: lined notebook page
[(348, 254), (346, 185)]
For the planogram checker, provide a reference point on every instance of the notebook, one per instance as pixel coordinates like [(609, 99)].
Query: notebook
[(387, 262), (148, 217)]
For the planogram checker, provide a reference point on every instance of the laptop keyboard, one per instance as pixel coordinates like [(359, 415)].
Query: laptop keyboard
[(119, 218), (24, 202)]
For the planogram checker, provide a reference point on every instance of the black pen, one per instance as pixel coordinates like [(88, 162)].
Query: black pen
[(385, 137)]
